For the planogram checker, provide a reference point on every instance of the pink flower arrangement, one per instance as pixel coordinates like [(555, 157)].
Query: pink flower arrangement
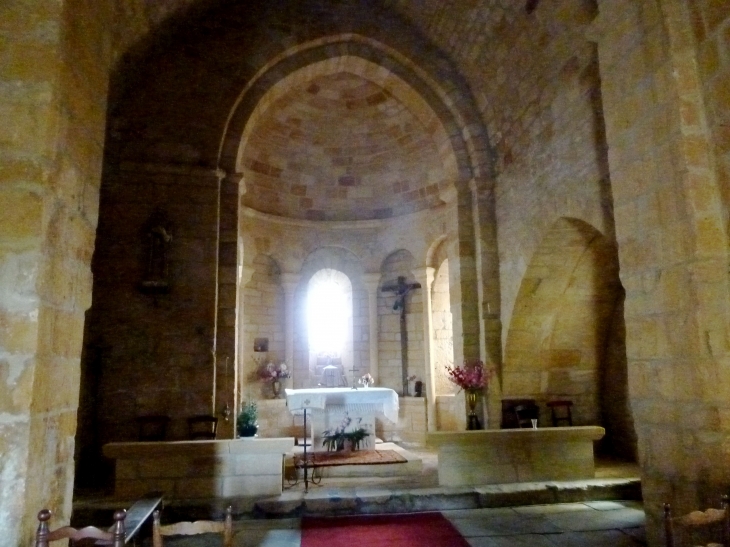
[(271, 372), (472, 376)]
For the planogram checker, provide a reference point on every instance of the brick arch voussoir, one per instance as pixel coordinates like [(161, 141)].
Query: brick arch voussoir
[(450, 103)]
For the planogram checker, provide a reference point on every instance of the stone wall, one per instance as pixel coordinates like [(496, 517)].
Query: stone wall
[(153, 354), (659, 74), (263, 317), (659, 63), (355, 249), (53, 89), (558, 342)]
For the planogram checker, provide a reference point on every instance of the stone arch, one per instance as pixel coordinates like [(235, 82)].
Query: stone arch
[(398, 263), (441, 317), (373, 60), (441, 90), (564, 315), (382, 76), (346, 262), (341, 356)]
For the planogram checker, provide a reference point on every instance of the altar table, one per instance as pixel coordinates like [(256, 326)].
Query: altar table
[(329, 407), (383, 398)]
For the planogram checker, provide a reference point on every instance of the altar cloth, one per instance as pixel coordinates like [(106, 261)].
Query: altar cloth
[(382, 398)]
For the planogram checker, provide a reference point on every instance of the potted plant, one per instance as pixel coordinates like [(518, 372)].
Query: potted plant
[(344, 437), (246, 424)]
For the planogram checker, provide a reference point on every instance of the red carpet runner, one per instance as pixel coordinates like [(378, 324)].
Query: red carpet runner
[(406, 530)]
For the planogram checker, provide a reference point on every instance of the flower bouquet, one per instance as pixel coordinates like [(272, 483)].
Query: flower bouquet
[(473, 376), (271, 372), (366, 380)]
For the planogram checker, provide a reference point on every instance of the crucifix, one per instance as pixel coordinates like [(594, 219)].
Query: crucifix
[(401, 290)]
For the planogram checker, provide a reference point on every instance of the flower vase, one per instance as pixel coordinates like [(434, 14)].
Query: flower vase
[(276, 388), (472, 397)]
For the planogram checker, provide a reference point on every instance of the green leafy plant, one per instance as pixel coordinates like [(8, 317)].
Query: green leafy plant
[(246, 423), (334, 440)]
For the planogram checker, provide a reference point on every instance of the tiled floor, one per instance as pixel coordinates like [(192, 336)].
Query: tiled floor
[(589, 524)]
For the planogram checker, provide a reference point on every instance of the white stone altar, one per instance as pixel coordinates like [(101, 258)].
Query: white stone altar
[(328, 408)]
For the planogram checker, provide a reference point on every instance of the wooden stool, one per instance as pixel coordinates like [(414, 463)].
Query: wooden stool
[(560, 412)]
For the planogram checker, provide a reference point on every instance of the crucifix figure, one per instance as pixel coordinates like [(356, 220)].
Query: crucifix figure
[(401, 290)]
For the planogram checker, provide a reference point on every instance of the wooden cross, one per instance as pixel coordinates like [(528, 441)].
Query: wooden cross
[(401, 290)]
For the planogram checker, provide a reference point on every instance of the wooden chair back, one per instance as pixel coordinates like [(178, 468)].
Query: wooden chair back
[(202, 427), (698, 526), (152, 428), (115, 536), (524, 414), (193, 528), (560, 412)]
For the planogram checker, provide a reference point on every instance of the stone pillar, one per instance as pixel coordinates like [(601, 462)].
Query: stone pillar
[(673, 258), (372, 282), (49, 197), (245, 273), (290, 282), (425, 277)]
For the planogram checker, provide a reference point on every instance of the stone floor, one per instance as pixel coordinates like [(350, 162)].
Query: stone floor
[(565, 514), (589, 524)]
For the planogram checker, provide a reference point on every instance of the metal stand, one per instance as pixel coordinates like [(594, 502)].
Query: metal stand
[(306, 436)]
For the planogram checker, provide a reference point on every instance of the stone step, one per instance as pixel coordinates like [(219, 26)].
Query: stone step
[(321, 500)]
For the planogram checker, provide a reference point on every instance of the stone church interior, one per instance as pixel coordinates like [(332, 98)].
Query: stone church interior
[(206, 203)]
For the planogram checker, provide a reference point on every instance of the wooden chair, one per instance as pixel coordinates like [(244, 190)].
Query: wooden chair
[(698, 526), (560, 411), (524, 414), (115, 536), (509, 418), (193, 528), (202, 427), (152, 428)]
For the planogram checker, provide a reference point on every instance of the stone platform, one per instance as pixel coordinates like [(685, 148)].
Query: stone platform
[(373, 495), (495, 456)]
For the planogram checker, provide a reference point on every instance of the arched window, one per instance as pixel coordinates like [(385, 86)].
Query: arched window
[(329, 324)]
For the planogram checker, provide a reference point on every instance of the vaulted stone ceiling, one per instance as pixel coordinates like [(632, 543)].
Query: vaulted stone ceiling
[(340, 147)]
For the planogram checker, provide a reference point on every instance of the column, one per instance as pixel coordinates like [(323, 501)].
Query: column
[(245, 273), (425, 277), (372, 282), (290, 282)]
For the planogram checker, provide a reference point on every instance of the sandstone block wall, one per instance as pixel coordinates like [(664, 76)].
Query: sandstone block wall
[(655, 78), (411, 426)]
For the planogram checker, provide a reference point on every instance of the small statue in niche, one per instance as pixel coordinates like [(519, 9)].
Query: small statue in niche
[(158, 236)]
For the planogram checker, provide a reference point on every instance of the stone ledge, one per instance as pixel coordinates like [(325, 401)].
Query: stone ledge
[(509, 436), (515, 455), (137, 450), (200, 469)]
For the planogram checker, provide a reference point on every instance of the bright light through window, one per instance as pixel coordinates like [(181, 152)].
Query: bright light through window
[(328, 313)]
